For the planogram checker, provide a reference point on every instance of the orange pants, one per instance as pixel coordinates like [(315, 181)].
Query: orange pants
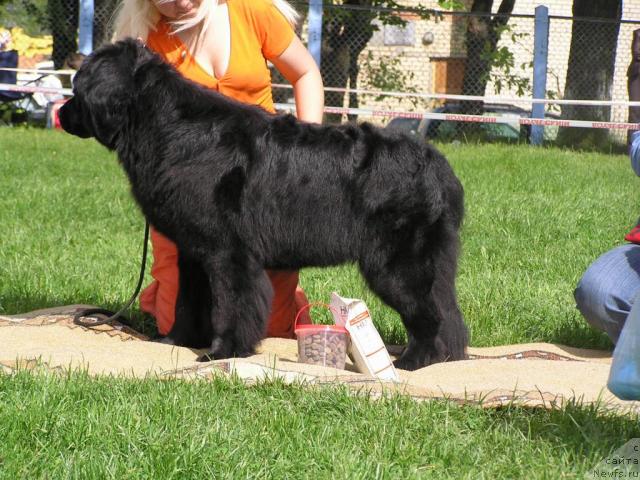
[(159, 298)]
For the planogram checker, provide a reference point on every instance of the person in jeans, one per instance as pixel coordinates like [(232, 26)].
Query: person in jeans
[(607, 290)]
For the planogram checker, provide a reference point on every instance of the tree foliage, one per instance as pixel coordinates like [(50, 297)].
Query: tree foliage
[(347, 29), (484, 30), (31, 15)]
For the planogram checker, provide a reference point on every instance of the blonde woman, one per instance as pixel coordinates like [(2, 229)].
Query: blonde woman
[(225, 45)]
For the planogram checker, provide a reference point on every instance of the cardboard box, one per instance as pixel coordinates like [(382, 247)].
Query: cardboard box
[(367, 350)]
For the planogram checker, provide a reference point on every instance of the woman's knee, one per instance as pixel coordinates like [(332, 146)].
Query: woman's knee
[(591, 296), (605, 293)]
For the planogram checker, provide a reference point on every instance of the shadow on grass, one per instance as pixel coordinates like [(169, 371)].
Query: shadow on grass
[(578, 333)]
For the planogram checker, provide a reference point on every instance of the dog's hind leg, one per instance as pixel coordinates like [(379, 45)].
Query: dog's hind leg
[(452, 338), (241, 295), (419, 283)]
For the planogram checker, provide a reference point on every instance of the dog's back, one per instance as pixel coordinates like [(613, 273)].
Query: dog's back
[(332, 182)]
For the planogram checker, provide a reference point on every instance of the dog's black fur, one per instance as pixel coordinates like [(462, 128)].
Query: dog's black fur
[(240, 190)]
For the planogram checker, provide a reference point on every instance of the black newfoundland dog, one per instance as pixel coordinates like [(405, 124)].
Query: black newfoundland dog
[(240, 190)]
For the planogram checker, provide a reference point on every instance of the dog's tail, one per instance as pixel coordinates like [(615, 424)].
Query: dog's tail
[(428, 183), (433, 187), (411, 182), (450, 193), (400, 180)]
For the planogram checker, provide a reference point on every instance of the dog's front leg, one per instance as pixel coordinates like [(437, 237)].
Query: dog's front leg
[(192, 326), (241, 296)]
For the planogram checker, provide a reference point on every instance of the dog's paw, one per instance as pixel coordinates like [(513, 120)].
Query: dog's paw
[(221, 349), (207, 357), (409, 364), (210, 356), (416, 357)]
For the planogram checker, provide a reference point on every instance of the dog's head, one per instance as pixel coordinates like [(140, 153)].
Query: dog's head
[(104, 90)]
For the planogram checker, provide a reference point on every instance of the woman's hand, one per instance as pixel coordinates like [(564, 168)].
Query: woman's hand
[(298, 66)]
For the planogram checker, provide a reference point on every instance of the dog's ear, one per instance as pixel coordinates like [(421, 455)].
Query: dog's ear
[(144, 60), (132, 52), (105, 88), (107, 84)]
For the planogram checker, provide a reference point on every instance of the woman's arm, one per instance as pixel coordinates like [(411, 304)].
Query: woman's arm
[(297, 65)]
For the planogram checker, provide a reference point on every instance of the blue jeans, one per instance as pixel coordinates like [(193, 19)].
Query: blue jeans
[(607, 289), (634, 152)]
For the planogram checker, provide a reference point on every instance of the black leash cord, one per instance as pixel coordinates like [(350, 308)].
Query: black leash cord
[(80, 318)]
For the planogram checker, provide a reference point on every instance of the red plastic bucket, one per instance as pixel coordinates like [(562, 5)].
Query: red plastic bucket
[(324, 345)]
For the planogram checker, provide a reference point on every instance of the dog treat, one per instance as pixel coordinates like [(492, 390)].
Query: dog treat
[(322, 346)]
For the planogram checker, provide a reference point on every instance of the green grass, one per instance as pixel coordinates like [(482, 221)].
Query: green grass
[(535, 220), (77, 427)]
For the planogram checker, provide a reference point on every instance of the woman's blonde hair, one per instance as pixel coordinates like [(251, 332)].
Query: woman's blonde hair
[(135, 18)]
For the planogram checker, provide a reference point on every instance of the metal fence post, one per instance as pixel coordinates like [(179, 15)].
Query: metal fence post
[(315, 29), (540, 54), (85, 27)]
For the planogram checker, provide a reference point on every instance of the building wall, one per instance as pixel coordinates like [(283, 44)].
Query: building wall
[(428, 47)]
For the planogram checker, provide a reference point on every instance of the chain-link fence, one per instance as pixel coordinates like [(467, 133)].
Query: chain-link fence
[(412, 54), (420, 51)]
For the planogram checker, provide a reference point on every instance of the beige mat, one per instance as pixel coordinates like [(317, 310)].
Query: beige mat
[(538, 374)]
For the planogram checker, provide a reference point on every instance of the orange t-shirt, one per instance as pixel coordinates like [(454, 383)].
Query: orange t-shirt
[(258, 32)]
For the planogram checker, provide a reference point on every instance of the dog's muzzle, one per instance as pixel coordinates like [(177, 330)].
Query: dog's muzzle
[(71, 119)]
